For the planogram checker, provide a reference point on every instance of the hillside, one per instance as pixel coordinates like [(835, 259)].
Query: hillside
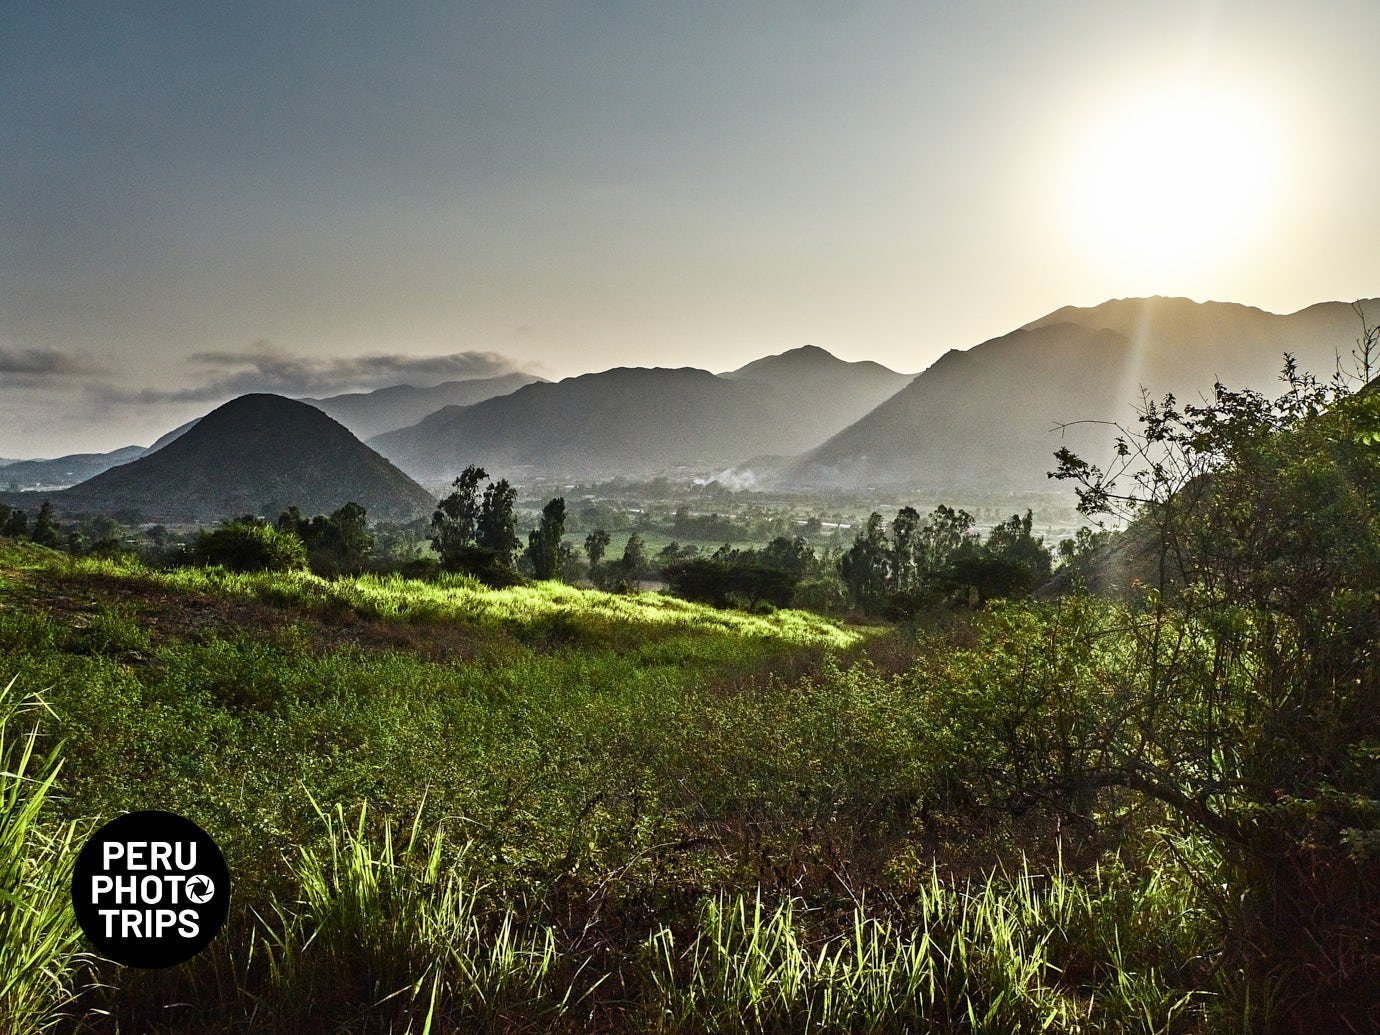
[(256, 454), (987, 420), (400, 406), (169, 436), (64, 470), (641, 422)]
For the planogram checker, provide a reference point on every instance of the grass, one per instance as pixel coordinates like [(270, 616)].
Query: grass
[(39, 940), (453, 808), (460, 598)]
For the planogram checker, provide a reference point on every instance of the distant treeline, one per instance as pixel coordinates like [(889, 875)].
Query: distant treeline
[(890, 570)]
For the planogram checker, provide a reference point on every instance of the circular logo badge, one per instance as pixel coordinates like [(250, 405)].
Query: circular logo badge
[(150, 889)]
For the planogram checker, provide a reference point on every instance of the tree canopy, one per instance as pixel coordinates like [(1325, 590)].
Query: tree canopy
[(477, 534)]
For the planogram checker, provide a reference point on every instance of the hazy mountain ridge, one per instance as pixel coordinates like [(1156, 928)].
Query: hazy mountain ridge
[(646, 421), (984, 420), (65, 470), (990, 418), (255, 455), (367, 414), (628, 421)]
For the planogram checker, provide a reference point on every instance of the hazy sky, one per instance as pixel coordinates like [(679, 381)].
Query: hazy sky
[(202, 199)]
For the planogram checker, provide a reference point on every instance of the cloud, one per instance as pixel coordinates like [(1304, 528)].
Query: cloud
[(41, 364), (266, 367)]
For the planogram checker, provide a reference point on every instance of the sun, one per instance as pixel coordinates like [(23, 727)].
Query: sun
[(1174, 180)]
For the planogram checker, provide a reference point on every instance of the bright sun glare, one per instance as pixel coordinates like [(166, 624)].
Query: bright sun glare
[(1176, 180)]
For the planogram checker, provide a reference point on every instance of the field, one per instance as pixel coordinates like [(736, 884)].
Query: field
[(446, 807)]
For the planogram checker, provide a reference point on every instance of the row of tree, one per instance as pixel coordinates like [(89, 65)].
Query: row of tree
[(919, 562), (894, 571)]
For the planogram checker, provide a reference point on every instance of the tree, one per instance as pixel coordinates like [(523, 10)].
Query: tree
[(1245, 701), (456, 519), (865, 567), (743, 578), (905, 569), (945, 534), (545, 549), (595, 545), (1012, 545), (16, 524), (1083, 545), (46, 531), (792, 555), (335, 543), (722, 583), (477, 534), (352, 542), (106, 536), (634, 562), (497, 528)]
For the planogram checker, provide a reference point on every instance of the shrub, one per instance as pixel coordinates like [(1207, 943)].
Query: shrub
[(247, 546)]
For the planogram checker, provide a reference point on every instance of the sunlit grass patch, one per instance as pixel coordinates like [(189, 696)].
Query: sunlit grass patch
[(458, 598)]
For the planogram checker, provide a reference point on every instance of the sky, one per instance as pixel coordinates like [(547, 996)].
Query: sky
[(200, 200)]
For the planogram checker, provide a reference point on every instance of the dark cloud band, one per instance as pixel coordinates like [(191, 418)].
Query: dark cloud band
[(44, 363), (269, 368)]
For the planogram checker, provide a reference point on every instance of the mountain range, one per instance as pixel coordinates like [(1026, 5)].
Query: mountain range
[(990, 418), (639, 422), (63, 470), (981, 421), (386, 409)]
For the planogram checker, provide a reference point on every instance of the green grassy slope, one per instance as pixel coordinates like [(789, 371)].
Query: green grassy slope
[(631, 814)]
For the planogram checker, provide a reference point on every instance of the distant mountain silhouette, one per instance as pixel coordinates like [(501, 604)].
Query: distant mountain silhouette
[(64, 470), (642, 422), (814, 394), (373, 413), (254, 455), (983, 420), (169, 436)]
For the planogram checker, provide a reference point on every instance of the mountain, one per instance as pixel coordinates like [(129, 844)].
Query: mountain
[(373, 413), (254, 455), (989, 419), (641, 422), (632, 422), (813, 393), (169, 436), (65, 470)]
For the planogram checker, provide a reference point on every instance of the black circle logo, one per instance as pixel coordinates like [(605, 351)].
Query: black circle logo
[(150, 889)]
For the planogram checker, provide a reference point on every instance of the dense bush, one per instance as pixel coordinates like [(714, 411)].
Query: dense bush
[(336, 543), (722, 583), (1249, 675), (247, 545)]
